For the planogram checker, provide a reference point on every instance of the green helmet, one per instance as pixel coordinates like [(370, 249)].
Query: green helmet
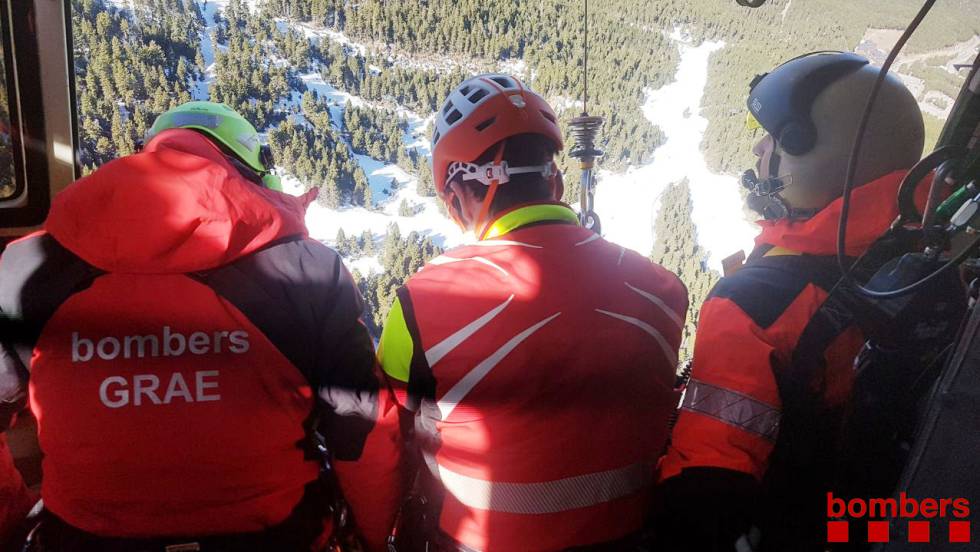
[(225, 126)]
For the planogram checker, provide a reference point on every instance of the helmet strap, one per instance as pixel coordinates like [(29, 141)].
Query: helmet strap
[(480, 226), (774, 160)]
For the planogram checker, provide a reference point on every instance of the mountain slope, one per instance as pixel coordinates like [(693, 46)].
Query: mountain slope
[(344, 93)]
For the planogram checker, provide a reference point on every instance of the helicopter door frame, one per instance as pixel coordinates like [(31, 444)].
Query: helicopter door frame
[(38, 61)]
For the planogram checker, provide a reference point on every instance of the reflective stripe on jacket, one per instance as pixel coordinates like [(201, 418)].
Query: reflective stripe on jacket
[(539, 364)]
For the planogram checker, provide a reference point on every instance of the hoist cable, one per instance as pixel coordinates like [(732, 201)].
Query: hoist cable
[(585, 63)]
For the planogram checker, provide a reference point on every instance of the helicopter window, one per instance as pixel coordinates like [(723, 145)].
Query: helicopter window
[(36, 112), (8, 182)]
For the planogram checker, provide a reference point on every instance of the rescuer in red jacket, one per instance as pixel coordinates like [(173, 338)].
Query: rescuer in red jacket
[(179, 339), (536, 364), (753, 450)]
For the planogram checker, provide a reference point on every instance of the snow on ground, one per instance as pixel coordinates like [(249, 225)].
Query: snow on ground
[(628, 203), (380, 177), (202, 88), (877, 43), (323, 223), (365, 265), (121, 4), (418, 132), (937, 104), (316, 32), (379, 173), (336, 99), (513, 66), (561, 103)]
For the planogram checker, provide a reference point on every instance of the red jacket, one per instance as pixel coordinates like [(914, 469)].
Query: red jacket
[(772, 371), (177, 331), (15, 499), (539, 366)]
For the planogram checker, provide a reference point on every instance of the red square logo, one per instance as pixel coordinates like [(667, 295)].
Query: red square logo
[(959, 531), (918, 531), (877, 531), (837, 531)]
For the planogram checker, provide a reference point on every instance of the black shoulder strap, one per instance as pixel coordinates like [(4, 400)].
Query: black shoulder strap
[(766, 286), (299, 294), (37, 275), (264, 287)]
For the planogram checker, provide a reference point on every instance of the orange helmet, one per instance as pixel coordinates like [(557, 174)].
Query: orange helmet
[(481, 112)]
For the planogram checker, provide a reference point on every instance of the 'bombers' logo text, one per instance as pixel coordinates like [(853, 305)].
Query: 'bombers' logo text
[(169, 344), (159, 388), (949, 514)]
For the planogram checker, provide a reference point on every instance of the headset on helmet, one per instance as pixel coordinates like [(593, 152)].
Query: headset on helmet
[(781, 100), (226, 127)]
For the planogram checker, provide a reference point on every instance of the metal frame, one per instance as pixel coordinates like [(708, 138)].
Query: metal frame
[(40, 81), (10, 77)]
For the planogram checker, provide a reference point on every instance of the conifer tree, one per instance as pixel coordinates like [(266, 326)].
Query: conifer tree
[(676, 248)]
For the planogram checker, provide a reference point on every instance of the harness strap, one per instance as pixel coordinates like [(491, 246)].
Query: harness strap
[(482, 218), (308, 523)]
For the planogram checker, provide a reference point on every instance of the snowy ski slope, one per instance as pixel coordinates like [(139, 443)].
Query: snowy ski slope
[(627, 202)]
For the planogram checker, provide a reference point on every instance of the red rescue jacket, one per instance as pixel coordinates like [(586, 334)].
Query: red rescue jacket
[(771, 377), (538, 364), (15, 499), (177, 332)]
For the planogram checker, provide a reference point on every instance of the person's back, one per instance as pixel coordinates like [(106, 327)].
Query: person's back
[(177, 330), (540, 364)]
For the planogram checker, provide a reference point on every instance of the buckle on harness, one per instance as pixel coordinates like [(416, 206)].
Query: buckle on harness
[(501, 172)]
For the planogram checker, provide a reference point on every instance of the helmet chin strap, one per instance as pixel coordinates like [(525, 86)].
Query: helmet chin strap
[(480, 224)]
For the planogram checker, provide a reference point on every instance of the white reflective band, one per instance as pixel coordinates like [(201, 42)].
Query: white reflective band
[(675, 318), (462, 388), (669, 352), (444, 347), (589, 239), (733, 408), (548, 497)]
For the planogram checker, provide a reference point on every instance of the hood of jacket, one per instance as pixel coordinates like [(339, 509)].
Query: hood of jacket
[(177, 206)]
